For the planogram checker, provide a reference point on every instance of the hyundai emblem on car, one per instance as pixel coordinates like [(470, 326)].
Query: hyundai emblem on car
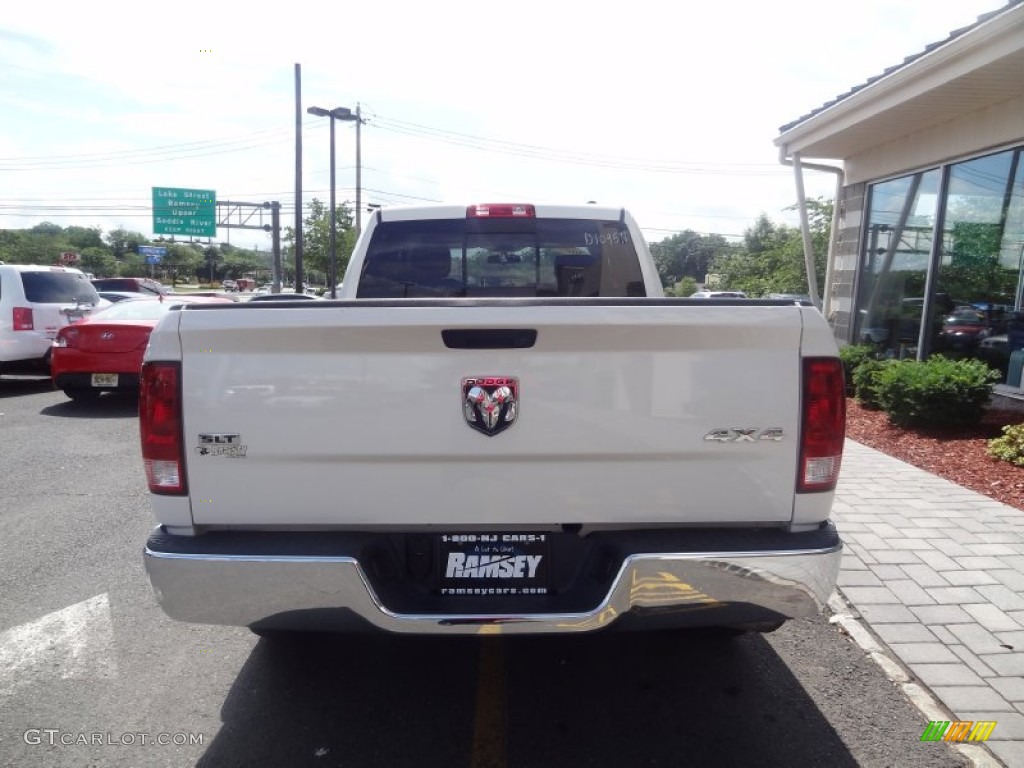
[(490, 404), (106, 335)]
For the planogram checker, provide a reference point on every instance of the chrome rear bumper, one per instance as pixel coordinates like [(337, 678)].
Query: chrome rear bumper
[(300, 591)]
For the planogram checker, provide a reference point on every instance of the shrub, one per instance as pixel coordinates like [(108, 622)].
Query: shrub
[(852, 355), (937, 392), (865, 382), (1009, 447)]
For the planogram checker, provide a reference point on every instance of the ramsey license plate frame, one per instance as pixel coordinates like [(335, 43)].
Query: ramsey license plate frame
[(494, 564)]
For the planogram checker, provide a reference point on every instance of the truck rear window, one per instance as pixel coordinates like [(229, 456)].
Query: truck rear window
[(501, 257), (58, 288)]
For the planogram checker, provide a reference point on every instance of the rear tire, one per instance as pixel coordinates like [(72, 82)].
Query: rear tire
[(82, 394)]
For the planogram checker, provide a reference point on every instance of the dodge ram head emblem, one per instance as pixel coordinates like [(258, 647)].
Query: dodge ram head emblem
[(490, 404)]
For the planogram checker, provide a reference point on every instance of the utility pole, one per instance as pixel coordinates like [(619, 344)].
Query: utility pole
[(359, 174), (298, 178)]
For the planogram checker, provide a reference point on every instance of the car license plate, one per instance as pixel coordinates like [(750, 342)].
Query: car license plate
[(104, 379), (494, 563)]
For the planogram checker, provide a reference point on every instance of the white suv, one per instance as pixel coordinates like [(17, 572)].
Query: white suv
[(35, 302)]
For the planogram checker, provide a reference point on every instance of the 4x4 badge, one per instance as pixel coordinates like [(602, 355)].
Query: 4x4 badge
[(490, 404)]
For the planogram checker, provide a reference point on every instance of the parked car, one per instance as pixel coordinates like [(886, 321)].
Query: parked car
[(115, 296), (282, 297), (229, 295), (35, 302), (799, 298), (718, 295), (963, 329), (103, 352), (995, 350), (134, 284)]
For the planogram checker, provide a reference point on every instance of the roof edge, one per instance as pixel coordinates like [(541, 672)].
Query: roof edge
[(961, 42)]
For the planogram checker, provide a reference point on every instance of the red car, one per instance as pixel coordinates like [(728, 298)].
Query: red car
[(103, 352), (962, 330)]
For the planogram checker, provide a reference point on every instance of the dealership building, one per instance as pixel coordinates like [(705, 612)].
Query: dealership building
[(927, 245)]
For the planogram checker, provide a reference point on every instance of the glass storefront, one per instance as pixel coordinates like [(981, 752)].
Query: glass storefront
[(941, 266)]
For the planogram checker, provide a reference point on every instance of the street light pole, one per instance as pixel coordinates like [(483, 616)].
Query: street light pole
[(333, 264), (338, 113), (298, 175)]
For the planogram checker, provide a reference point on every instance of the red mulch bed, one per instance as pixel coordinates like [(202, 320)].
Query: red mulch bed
[(957, 454)]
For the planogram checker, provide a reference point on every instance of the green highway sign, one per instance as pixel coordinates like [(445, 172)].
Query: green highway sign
[(179, 211)]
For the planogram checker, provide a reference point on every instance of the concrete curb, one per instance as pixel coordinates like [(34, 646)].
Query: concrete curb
[(919, 696)]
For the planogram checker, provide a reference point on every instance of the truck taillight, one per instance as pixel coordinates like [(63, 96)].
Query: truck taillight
[(23, 319), (501, 211), (823, 424), (161, 427)]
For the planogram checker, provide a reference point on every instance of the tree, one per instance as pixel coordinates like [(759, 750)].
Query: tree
[(974, 271), (686, 254), (133, 265), (211, 256), (80, 238), (685, 287), (9, 241), (771, 259), (47, 228), (98, 260), (316, 237), (239, 262), (38, 246), (181, 259), (123, 242)]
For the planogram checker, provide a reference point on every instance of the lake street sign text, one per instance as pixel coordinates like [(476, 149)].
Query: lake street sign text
[(179, 211)]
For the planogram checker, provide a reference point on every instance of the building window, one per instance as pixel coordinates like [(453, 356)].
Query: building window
[(895, 259), (980, 258), (978, 289)]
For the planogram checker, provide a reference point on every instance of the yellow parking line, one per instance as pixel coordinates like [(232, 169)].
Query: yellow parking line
[(489, 716)]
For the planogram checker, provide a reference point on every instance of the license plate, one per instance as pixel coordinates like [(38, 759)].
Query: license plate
[(104, 379), (475, 564)]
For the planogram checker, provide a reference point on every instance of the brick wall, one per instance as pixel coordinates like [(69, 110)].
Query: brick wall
[(847, 259)]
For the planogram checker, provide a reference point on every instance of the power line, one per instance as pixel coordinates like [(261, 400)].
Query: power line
[(586, 158), (213, 147), (108, 162), (159, 153), (160, 149)]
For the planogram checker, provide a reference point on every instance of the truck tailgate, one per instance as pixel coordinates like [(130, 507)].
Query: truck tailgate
[(352, 414)]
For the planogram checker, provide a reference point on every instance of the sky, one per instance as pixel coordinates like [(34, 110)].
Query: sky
[(668, 109)]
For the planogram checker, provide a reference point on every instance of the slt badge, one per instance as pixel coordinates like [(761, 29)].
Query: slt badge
[(490, 404)]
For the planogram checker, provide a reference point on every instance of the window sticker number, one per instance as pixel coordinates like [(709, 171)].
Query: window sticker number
[(615, 237)]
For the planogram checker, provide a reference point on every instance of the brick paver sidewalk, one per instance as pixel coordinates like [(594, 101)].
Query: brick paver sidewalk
[(937, 572)]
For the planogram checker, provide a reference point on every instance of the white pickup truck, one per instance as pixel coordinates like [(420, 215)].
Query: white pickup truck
[(502, 425)]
